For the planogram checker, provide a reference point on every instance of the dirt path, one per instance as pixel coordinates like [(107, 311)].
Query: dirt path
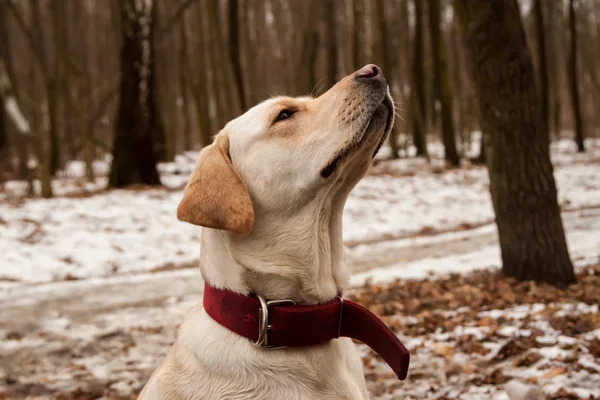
[(580, 224)]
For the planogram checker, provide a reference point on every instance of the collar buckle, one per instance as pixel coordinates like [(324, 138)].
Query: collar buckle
[(264, 325)]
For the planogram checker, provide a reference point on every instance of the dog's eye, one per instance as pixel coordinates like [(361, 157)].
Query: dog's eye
[(284, 114)]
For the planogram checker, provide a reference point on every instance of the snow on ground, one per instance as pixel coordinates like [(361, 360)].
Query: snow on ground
[(582, 231), (87, 231)]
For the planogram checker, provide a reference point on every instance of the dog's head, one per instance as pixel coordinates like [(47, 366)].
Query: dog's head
[(286, 153)]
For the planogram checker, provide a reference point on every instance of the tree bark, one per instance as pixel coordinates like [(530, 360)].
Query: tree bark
[(382, 57), (442, 83), (522, 186), (332, 44), (184, 85), (159, 140), (3, 132), (358, 13), (7, 60), (134, 157), (418, 102), (543, 80), (51, 83), (235, 54), (458, 91), (198, 85), (573, 82), (555, 35)]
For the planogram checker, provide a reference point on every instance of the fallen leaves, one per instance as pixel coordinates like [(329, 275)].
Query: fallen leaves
[(482, 330), (481, 290), (554, 372), (443, 350), (574, 325)]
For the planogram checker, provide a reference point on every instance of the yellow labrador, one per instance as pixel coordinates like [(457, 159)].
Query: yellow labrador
[(270, 191)]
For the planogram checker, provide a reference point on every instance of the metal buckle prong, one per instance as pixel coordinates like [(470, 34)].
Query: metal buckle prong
[(264, 325), (341, 313)]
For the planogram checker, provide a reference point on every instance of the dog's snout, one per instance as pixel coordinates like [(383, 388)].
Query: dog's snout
[(368, 72)]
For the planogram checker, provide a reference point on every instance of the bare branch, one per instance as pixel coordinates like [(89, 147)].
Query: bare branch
[(10, 102)]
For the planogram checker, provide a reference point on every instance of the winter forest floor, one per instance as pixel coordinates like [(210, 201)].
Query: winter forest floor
[(94, 283)]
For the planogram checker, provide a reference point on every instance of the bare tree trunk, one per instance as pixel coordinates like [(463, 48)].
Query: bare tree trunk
[(6, 59), (165, 92), (86, 142), (134, 157), (50, 78), (381, 56), (3, 132), (332, 43), (159, 140), (358, 11), (573, 82), (532, 238), (61, 20), (458, 91), (3, 49), (224, 91), (40, 142), (555, 24), (418, 102), (235, 55), (199, 88), (184, 85), (543, 83), (442, 84)]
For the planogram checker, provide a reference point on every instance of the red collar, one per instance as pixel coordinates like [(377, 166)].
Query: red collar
[(281, 323)]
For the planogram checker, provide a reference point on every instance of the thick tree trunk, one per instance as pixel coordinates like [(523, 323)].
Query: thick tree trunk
[(532, 238), (418, 100), (442, 83), (134, 157), (543, 62), (573, 83)]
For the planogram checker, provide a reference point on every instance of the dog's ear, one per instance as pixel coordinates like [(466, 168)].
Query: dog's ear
[(215, 196)]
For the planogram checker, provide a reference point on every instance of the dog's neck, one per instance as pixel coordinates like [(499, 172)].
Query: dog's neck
[(299, 257)]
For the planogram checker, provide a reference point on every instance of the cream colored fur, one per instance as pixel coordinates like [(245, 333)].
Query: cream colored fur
[(294, 248)]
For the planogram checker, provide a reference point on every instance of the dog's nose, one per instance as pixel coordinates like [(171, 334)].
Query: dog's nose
[(369, 71)]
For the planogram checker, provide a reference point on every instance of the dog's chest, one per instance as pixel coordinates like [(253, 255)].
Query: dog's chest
[(230, 368)]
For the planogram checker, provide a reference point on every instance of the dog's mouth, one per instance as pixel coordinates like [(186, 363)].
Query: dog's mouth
[(381, 117)]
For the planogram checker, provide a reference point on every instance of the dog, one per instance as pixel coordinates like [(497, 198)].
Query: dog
[(269, 192)]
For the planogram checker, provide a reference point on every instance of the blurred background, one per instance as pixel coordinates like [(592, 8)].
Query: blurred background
[(104, 105), (208, 61)]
